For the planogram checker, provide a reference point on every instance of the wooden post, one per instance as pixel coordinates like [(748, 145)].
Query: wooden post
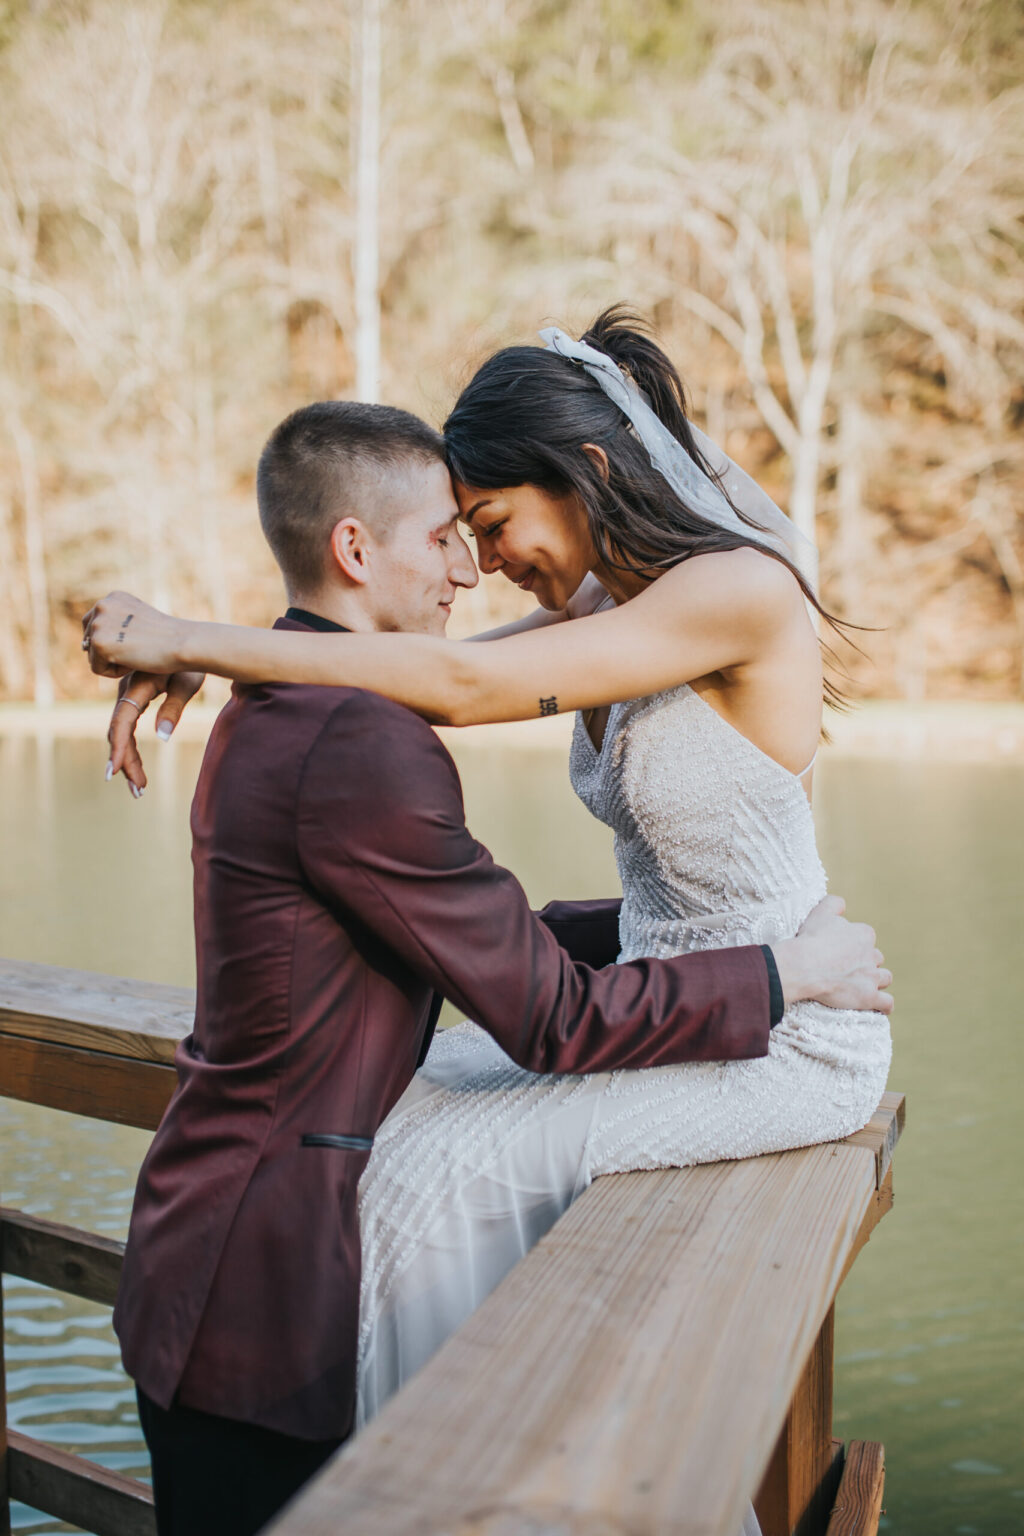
[(858, 1504), (799, 1487), (5, 1496)]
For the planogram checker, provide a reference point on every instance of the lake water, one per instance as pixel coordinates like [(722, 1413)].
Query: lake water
[(930, 1344)]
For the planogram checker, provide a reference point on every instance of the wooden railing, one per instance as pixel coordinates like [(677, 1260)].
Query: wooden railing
[(661, 1359), (102, 1047)]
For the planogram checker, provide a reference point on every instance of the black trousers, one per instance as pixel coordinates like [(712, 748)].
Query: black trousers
[(218, 1477)]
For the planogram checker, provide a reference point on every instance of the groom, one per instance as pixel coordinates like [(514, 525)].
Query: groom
[(338, 897)]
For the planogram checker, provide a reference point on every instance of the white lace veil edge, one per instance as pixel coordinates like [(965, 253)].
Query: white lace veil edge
[(768, 524)]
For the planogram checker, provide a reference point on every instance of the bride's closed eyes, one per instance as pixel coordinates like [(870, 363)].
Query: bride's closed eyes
[(483, 533)]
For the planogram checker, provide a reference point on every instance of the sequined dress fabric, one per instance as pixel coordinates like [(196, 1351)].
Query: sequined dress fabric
[(715, 846)]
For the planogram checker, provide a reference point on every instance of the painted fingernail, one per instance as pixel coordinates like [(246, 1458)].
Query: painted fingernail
[(164, 730), (136, 791), (109, 773)]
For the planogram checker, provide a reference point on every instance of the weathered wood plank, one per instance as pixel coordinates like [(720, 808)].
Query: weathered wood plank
[(882, 1132), (66, 1258), (78, 1491), (592, 1390), (858, 1505), (103, 1013), (85, 1082)]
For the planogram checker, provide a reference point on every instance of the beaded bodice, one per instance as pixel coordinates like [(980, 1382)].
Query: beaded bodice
[(714, 840)]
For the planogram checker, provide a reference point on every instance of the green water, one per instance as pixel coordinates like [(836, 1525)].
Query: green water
[(930, 1346)]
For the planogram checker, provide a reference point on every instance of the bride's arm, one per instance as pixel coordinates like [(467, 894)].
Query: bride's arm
[(540, 618), (721, 610), (587, 598), (139, 689), (717, 611)]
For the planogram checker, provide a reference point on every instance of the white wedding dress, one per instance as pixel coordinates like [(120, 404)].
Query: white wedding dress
[(715, 847)]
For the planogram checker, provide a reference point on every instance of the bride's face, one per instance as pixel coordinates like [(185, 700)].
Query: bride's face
[(538, 541)]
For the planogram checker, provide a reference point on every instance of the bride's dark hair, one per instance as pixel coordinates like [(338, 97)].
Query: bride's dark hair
[(523, 419)]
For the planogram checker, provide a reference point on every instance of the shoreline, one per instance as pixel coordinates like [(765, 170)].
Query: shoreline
[(944, 730)]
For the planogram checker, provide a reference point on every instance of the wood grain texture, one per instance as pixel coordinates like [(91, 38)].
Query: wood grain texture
[(65, 1258), (882, 1132), (78, 1491), (858, 1505), (85, 1082), (630, 1374), (94, 1012)]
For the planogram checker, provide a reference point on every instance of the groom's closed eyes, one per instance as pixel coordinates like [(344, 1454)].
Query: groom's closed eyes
[(443, 532)]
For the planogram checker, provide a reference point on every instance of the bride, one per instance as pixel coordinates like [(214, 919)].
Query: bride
[(674, 617)]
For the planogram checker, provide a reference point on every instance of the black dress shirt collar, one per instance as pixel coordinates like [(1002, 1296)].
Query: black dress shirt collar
[(316, 621)]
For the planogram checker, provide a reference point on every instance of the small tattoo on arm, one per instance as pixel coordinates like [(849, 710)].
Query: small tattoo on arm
[(124, 625), (549, 706)]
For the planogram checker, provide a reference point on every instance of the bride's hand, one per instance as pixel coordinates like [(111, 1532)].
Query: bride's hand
[(134, 696), (123, 634)]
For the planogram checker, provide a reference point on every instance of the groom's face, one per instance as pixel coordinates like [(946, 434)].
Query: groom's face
[(420, 566)]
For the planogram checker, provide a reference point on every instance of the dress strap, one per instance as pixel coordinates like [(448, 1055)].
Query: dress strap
[(805, 771)]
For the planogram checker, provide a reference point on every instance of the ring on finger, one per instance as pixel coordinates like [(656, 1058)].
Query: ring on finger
[(140, 707)]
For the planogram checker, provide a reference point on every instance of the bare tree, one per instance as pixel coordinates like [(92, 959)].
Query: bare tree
[(203, 223), (35, 558), (807, 230), (20, 223)]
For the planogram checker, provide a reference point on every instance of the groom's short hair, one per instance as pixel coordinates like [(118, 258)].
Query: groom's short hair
[(330, 460)]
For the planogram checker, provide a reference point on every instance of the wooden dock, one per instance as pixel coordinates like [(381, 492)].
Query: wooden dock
[(659, 1361)]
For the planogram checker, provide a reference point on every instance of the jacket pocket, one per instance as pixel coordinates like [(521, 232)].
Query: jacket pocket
[(343, 1143)]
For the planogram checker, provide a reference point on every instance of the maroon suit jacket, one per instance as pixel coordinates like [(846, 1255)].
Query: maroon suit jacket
[(337, 892)]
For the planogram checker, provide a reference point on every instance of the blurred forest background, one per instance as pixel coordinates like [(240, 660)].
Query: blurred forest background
[(212, 211)]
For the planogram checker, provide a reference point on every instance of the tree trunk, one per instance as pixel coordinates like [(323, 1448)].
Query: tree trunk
[(803, 500), (997, 525), (367, 257), (215, 576), (35, 563), (850, 487), (516, 136), (12, 660), (158, 553)]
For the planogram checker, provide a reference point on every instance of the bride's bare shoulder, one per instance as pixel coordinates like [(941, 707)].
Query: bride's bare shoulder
[(744, 581)]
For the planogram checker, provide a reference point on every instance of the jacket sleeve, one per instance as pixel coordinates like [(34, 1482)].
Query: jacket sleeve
[(382, 838), (588, 931)]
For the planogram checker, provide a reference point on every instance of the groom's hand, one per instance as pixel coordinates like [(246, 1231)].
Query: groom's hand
[(134, 696), (834, 961)]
